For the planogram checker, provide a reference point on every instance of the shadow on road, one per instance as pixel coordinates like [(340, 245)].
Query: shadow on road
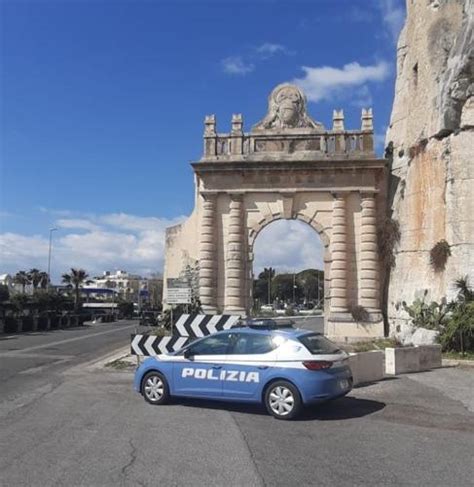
[(339, 409)]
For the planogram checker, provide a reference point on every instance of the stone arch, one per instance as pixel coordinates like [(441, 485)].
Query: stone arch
[(255, 230)]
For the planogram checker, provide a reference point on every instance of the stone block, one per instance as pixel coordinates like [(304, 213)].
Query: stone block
[(412, 359), (367, 366)]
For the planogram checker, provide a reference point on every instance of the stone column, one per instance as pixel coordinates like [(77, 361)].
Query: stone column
[(235, 272), (369, 262), (208, 256), (339, 256)]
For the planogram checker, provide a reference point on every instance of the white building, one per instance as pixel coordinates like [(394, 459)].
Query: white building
[(120, 281)]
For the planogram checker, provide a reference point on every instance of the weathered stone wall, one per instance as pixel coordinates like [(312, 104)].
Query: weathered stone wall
[(432, 132)]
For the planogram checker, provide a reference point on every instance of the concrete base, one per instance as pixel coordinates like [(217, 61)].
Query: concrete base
[(352, 331), (367, 366), (412, 359)]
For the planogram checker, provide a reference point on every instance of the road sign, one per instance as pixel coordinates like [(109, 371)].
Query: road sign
[(178, 295), (176, 282)]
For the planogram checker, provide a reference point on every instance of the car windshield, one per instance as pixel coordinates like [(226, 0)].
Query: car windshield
[(318, 345)]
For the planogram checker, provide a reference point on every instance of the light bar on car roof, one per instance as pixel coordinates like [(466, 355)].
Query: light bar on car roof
[(266, 323)]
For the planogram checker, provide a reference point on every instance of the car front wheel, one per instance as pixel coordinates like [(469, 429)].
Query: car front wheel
[(283, 401), (155, 389)]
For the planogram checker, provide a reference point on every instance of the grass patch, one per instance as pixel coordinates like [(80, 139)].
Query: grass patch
[(459, 355), (119, 364)]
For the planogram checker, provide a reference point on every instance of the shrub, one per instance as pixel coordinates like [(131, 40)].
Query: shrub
[(423, 315), (359, 313), (289, 311), (439, 255), (388, 236), (459, 332)]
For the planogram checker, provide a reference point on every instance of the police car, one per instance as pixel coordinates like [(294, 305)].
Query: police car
[(280, 366)]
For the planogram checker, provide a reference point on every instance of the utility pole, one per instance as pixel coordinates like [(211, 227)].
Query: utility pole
[(51, 230), (269, 279), (294, 287)]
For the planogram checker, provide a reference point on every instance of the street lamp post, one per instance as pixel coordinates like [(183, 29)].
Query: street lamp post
[(51, 230)]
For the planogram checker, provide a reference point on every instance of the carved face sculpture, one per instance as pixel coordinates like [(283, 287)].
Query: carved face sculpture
[(289, 105)]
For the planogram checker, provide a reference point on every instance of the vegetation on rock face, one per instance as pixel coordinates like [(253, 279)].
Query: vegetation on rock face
[(454, 321), (359, 313), (439, 255), (388, 237)]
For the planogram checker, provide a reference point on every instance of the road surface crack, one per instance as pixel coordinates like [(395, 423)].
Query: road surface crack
[(250, 452), (133, 458)]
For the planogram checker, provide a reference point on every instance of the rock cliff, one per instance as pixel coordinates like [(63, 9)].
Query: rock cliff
[(431, 145)]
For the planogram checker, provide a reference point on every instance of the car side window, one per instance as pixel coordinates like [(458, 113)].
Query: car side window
[(213, 345), (251, 344)]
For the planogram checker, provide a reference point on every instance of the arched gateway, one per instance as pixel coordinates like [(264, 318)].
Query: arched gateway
[(288, 166)]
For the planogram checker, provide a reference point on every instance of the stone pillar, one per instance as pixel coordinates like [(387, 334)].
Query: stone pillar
[(235, 272), (339, 256), (208, 256), (369, 262)]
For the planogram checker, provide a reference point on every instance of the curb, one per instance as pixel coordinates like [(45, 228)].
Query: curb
[(115, 355), (453, 362)]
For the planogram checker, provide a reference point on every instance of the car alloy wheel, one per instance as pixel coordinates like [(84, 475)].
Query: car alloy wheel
[(155, 388), (283, 400)]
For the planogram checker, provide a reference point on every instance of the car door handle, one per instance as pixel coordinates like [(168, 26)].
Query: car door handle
[(217, 366), (263, 367)]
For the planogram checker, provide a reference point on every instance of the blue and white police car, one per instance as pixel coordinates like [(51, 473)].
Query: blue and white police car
[(282, 367)]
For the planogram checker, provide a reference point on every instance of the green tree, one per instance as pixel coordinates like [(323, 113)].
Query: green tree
[(4, 293), (311, 282), (35, 276), (76, 278), (23, 279), (285, 287)]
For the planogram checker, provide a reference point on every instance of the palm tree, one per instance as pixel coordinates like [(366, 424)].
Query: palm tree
[(35, 278), (44, 280), (76, 278), (23, 279), (465, 292)]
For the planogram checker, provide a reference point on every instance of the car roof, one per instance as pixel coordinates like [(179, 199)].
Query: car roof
[(288, 332)]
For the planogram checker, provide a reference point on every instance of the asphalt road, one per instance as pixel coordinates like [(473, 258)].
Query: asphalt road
[(32, 359), (85, 426)]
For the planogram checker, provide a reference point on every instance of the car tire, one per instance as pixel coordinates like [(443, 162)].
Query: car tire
[(155, 388), (283, 400)]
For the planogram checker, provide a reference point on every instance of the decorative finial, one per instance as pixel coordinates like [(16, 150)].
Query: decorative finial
[(237, 123), (338, 120), (367, 119), (209, 125)]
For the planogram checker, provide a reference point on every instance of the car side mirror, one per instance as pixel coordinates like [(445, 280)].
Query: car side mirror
[(188, 353)]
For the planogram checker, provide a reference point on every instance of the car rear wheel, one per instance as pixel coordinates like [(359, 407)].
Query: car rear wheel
[(282, 399), (155, 389)]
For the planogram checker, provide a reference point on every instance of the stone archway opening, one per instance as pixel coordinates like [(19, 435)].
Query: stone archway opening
[(288, 267)]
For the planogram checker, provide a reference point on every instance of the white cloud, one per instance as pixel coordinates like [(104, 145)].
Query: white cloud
[(236, 65), (106, 242), (76, 223), (327, 82), (393, 16), (288, 245), (268, 49)]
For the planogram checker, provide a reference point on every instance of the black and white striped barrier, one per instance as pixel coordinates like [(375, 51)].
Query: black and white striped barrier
[(151, 345), (197, 325)]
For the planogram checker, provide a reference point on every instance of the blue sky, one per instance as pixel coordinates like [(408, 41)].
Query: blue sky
[(103, 105)]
